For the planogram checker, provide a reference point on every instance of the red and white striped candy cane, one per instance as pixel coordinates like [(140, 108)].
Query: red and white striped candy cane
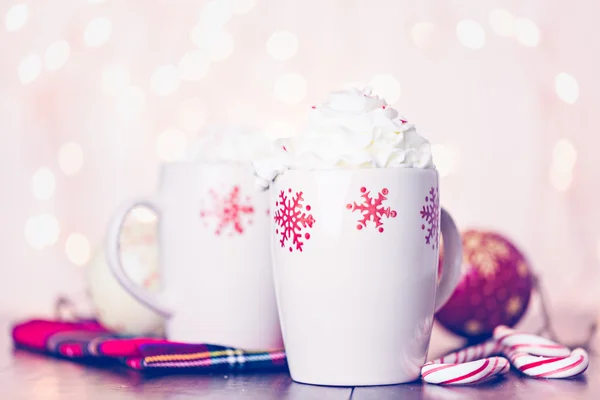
[(466, 373), (467, 366), (549, 367), (539, 357), (527, 343), (532, 355)]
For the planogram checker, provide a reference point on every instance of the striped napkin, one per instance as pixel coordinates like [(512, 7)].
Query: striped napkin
[(88, 341)]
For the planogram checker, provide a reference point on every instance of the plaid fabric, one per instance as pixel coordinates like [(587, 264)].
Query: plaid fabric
[(88, 340)]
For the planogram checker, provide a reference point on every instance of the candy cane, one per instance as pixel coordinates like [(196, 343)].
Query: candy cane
[(539, 357), (466, 366), (513, 341), (469, 372), (549, 367), (532, 355)]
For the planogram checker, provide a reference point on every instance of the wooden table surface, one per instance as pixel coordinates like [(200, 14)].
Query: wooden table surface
[(25, 375)]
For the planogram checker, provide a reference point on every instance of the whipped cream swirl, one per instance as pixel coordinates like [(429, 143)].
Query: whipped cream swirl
[(230, 144), (353, 129)]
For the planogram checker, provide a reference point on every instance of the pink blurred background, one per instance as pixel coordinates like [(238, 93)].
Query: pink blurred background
[(96, 94)]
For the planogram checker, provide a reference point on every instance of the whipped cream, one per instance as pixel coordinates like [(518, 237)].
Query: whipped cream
[(230, 144), (352, 129)]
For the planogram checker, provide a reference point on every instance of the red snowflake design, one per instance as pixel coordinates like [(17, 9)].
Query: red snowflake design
[(228, 212), (291, 220), (372, 209), (431, 214)]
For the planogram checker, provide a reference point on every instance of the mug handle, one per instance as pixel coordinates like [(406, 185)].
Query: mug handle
[(113, 256), (451, 269)]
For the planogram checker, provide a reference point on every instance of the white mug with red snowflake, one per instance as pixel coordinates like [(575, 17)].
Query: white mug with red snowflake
[(215, 256), (355, 261)]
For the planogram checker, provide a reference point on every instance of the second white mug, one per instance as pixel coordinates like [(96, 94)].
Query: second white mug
[(215, 257)]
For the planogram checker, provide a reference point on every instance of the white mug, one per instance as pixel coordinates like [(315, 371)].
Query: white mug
[(355, 257), (215, 259)]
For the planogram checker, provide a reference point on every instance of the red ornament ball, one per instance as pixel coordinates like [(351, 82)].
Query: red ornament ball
[(494, 289)]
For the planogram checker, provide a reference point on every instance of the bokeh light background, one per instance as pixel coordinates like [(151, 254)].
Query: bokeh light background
[(95, 94)]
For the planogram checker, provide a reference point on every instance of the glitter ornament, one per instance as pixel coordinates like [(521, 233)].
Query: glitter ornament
[(494, 289)]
